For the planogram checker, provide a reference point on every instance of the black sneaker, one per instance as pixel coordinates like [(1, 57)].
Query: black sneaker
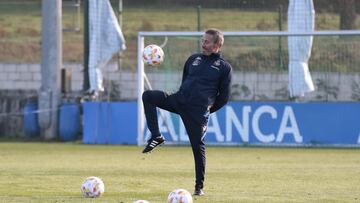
[(153, 142), (198, 192)]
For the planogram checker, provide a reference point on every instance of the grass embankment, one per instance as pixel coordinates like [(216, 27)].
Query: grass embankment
[(20, 27)]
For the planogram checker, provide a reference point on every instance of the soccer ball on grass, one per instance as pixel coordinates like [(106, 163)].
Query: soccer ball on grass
[(179, 196), (153, 55), (92, 187), (141, 201)]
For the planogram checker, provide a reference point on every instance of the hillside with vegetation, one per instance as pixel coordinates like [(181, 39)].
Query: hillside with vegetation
[(20, 27)]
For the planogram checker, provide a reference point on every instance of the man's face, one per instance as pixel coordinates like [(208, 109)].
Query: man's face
[(208, 45)]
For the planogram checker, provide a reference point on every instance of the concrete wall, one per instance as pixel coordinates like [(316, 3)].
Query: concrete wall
[(12, 104), (20, 83), (246, 86)]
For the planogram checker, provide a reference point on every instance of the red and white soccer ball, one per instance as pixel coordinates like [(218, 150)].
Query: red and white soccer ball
[(153, 55), (141, 201), (92, 187), (179, 196)]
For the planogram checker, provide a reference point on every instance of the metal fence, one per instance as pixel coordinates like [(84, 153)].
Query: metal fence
[(332, 56)]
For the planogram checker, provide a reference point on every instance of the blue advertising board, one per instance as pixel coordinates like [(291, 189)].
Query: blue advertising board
[(109, 123), (238, 123)]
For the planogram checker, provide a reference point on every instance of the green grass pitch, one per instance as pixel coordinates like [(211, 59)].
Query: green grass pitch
[(53, 172)]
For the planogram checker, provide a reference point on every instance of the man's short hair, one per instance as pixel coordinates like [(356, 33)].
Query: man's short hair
[(217, 34)]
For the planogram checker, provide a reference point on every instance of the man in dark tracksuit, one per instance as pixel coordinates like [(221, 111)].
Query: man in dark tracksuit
[(205, 88)]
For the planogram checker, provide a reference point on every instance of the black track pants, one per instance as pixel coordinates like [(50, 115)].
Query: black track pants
[(194, 118)]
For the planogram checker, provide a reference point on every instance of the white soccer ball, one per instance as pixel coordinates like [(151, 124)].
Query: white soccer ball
[(179, 196), (153, 55), (141, 201), (92, 187)]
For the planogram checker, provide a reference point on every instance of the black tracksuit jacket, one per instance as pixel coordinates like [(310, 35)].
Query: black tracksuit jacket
[(206, 82)]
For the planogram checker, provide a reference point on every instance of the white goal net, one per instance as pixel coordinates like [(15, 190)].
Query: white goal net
[(260, 68)]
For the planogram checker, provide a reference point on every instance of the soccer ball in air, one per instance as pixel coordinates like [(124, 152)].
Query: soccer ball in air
[(141, 201), (92, 187), (153, 55), (179, 196)]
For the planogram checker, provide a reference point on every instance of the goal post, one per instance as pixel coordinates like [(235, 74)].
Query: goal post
[(258, 38)]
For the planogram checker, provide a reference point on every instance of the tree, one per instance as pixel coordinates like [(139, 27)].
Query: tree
[(347, 14)]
